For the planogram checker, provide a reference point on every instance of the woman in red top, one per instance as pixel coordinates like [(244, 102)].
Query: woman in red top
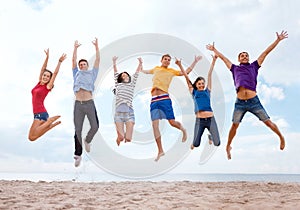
[(42, 123)]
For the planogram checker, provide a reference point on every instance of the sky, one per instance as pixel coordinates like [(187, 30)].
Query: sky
[(28, 27)]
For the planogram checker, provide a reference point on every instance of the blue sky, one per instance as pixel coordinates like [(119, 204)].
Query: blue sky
[(29, 27)]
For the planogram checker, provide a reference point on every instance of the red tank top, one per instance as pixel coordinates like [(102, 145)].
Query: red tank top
[(39, 93)]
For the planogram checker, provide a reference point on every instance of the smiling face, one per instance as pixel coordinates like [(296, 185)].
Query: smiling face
[(165, 60), (243, 57), (125, 77), (46, 77), (83, 64), (200, 85)]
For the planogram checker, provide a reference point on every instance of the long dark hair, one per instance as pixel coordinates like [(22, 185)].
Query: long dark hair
[(194, 84)]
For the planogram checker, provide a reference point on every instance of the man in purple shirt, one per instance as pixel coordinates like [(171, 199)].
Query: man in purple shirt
[(245, 81)]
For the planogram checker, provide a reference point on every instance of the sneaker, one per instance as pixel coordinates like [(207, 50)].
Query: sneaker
[(77, 160), (87, 146)]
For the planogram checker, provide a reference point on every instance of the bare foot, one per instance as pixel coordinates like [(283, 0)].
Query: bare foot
[(184, 135), (52, 122), (209, 139), (127, 140), (282, 143), (228, 148), (192, 147), (118, 141), (159, 155)]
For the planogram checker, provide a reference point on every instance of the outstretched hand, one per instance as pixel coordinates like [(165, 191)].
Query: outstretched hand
[(140, 60), (95, 42), (77, 44), (211, 47), (114, 59), (62, 57), (177, 61), (282, 35), (47, 52)]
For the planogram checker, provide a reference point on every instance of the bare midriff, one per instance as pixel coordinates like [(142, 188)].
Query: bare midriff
[(83, 95), (204, 114), (156, 91), (245, 94)]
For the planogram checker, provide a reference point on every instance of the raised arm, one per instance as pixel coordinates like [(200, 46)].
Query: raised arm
[(51, 82), (209, 76), (227, 62), (196, 60), (97, 60), (44, 64), (140, 66), (74, 58), (281, 36), (114, 59), (184, 73)]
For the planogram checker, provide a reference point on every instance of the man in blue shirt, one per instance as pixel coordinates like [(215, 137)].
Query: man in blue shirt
[(83, 88), (245, 81)]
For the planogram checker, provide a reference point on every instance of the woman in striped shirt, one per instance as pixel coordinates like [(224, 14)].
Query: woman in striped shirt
[(124, 89)]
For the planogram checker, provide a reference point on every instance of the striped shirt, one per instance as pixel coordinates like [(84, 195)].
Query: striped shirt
[(124, 91)]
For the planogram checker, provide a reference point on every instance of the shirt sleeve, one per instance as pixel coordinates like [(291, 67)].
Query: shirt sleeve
[(135, 76), (75, 70), (116, 77)]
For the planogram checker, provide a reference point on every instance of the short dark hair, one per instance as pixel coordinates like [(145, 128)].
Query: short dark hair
[(242, 53), (166, 55), (120, 79), (83, 60)]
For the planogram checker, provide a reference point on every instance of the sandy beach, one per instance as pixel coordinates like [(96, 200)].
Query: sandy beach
[(148, 195)]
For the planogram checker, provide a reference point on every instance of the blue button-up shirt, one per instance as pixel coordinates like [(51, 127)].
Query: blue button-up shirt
[(84, 79)]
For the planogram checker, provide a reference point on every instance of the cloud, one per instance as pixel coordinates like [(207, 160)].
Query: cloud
[(30, 26), (268, 93)]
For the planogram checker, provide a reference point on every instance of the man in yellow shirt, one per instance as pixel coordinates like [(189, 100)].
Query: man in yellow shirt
[(161, 104)]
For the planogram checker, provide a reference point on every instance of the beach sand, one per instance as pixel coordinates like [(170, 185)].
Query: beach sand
[(148, 195)]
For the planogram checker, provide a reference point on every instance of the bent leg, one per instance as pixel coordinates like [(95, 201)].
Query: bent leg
[(39, 128), (198, 132), (129, 131), (94, 123), (157, 136), (179, 126), (120, 132), (213, 129), (232, 133), (275, 129)]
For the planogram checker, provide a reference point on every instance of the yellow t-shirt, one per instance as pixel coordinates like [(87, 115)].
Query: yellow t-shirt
[(162, 77)]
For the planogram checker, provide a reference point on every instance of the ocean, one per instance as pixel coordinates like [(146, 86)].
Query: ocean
[(169, 177)]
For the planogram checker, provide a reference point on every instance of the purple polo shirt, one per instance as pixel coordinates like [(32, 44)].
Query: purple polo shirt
[(245, 75)]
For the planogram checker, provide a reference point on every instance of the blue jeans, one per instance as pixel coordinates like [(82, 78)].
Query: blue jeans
[(252, 105), (210, 124), (41, 116)]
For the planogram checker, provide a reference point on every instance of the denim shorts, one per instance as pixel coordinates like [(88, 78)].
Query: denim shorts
[(252, 105), (162, 110), (124, 117), (41, 116)]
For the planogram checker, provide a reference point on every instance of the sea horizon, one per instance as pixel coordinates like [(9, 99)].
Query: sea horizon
[(168, 177)]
